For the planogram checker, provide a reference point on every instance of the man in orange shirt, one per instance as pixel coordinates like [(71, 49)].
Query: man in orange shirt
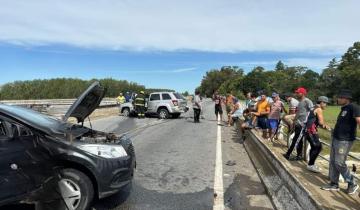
[(262, 112)]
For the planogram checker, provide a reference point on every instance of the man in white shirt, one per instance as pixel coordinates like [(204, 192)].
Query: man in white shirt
[(197, 107)]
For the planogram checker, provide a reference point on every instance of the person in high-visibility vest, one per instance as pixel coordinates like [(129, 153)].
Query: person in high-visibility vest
[(120, 99), (140, 104)]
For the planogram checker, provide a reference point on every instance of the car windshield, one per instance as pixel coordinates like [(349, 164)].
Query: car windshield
[(179, 96), (32, 117)]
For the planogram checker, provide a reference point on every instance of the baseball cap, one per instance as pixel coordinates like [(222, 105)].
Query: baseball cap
[(345, 93), (323, 99), (301, 90), (274, 94)]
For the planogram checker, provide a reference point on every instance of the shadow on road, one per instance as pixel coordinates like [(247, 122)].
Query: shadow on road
[(114, 200)]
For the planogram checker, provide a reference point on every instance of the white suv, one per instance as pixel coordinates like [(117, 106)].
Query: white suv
[(162, 104), (166, 104)]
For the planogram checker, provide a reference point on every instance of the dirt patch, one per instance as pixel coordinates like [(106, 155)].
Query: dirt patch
[(100, 113)]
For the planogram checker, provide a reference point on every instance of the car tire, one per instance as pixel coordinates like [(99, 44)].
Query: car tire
[(126, 112), (78, 179), (74, 188), (163, 113)]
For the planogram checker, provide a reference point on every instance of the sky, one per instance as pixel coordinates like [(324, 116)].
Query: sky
[(166, 43)]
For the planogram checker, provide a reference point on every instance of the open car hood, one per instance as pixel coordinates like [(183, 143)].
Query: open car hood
[(86, 103)]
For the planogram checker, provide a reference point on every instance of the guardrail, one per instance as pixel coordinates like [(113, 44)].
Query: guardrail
[(307, 147), (55, 107), (104, 102)]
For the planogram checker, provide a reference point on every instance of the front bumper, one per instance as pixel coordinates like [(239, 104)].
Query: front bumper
[(115, 174)]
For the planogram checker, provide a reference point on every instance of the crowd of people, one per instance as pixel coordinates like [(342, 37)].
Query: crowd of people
[(302, 118)]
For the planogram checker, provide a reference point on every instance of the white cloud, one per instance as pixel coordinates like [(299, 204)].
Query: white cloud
[(205, 25), (152, 71), (312, 63), (316, 64)]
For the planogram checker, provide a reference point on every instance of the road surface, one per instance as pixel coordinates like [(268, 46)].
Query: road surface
[(177, 162), (183, 165)]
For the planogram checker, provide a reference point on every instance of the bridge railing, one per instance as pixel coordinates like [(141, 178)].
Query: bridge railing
[(56, 107), (104, 102)]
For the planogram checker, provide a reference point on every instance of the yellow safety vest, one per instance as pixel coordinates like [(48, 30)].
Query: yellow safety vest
[(121, 99)]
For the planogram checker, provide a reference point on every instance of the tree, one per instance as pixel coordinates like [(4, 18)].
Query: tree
[(333, 63), (256, 80), (338, 74), (330, 81), (186, 93), (280, 66), (62, 88), (214, 79), (349, 70)]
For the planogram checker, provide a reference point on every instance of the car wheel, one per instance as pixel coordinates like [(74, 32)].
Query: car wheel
[(163, 113), (73, 190), (126, 112)]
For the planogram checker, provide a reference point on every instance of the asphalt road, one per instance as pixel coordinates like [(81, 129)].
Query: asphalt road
[(176, 163)]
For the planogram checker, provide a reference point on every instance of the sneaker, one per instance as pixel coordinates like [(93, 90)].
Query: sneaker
[(286, 156), (297, 158), (352, 189), (313, 168), (331, 187)]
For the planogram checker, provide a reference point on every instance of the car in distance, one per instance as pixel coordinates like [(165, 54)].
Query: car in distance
[(57, 164), (162, 104)]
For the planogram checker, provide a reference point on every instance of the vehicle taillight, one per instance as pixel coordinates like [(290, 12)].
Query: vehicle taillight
[(175, 102)]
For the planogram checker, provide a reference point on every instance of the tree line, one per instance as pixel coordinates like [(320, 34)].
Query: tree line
[(62, 88), (344, 73)]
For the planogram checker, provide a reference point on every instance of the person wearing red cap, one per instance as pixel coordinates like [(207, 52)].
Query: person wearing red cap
[(302, 112)]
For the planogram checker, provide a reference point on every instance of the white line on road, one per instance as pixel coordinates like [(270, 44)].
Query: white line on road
[(218, 181)]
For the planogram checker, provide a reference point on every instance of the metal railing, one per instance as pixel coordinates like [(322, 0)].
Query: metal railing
[(55, 107), (104, 102), (307, 146)]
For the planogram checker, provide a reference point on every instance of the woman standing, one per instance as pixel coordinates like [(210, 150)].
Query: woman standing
[(315, 120)]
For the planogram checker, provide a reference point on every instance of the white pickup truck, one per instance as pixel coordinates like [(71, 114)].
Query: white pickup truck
[(162, 104)]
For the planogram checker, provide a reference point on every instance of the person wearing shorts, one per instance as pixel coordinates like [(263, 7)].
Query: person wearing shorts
[(218, 111), (290, 117), (218, 107), (263, 109), (277, 107)]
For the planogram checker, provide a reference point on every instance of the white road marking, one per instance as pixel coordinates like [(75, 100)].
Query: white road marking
[(218, 181)]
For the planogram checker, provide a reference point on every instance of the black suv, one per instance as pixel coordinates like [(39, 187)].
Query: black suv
[(59, 165)]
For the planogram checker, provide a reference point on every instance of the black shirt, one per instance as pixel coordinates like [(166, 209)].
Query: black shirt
[(217, 100), (345, 128)]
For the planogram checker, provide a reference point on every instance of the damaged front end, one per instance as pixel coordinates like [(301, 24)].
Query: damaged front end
[(107, 145), (59, 165), (107, 159)]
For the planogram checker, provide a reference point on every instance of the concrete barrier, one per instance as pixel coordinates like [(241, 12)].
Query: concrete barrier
[(284, 188)]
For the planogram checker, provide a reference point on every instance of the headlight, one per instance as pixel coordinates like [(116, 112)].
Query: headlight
[(106, 151)]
